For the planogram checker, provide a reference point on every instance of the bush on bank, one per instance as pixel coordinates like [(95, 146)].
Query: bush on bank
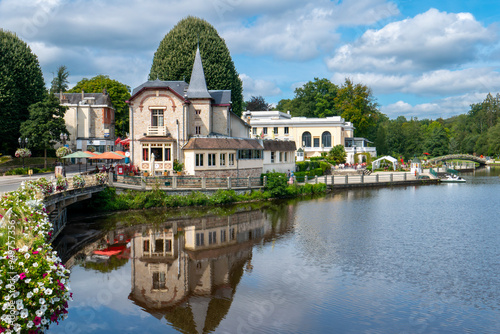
[(34, 286), (276, 187)]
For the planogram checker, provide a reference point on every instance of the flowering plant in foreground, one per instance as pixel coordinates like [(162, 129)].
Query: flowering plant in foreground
[(101, 178), (34, 287), (61, 183), (23, 153), (78, 181), (45, 186)]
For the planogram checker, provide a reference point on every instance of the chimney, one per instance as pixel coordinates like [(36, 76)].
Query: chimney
[(83, 94), (104, 91)]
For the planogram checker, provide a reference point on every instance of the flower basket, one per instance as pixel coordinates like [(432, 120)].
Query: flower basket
[(23, 153), (63, 151), (78, 181), (101, 178), (45, 186), (61, 183)]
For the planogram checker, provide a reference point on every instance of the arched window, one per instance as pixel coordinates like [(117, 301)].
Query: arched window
[(306, 139), (326, 139)]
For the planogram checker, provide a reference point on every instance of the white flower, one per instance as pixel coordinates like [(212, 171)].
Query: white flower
[(27, 280), (44, 321), (30, 324), (16, 294), (17, 327), (41, 301), (29, 294), (35, 290), (35, 264), (27, 256), (48, 291), (39, 313), (22, 263), (24, 249), (24, 313), (43, 308)]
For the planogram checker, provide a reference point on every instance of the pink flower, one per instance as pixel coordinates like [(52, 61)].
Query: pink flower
[(44, 274), (22, 276), (37, 321), (35, 252)]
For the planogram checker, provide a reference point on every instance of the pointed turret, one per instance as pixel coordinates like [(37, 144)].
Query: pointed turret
[(197, 85)]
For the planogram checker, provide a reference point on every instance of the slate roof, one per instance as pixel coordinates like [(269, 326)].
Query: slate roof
[(177, 86), (279, 145), (197, 84), (222, 144), (75, 98), (221, 96)]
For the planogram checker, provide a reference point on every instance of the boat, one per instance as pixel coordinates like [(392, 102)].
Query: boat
[(453, 179)]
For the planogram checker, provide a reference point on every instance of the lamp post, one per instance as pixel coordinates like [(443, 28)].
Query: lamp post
[(21, 142), (63, 137), (354, 157)]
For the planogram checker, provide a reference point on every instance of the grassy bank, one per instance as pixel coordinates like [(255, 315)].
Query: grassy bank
[(277, 187)]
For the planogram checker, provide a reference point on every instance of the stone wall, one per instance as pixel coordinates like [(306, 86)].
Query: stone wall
[(240, 173)]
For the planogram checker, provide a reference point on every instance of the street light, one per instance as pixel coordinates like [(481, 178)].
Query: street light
[(63, 137)]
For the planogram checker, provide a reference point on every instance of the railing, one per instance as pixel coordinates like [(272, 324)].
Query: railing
[(157, 131), (191, 182), (452, 171), (359, 178)]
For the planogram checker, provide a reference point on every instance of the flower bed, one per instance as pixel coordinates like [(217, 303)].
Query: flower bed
[(34, 287)]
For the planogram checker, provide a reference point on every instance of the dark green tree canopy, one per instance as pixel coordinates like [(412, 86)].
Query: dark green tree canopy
[(257, 103), (60, 81), (118, 92), (174, 58), (21, 84)]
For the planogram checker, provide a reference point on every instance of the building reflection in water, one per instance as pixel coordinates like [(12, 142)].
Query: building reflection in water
[(188, 272)]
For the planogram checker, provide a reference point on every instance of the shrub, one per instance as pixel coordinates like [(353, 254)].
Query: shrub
[(276, 184)]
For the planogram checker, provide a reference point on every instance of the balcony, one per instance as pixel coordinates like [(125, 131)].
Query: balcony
[(158, 131)]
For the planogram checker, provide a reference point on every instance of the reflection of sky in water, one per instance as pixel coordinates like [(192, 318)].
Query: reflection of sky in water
[(390, 260)]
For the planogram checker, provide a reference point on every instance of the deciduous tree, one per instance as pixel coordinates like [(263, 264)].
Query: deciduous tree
[(257, 103), (45, 124), (21, 84)]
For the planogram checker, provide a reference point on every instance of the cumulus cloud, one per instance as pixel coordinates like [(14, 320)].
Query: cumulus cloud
[(444, 108), (258, 87), (429, 41), (433, 83)]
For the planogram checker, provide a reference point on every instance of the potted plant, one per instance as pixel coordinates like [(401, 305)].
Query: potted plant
[(178, 167)]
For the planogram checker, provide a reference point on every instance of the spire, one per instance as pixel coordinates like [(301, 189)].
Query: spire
[(197, 85)]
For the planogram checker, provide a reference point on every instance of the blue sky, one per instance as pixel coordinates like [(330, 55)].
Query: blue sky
[(420, 58)]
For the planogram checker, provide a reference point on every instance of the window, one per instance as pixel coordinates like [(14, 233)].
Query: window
[(306, 139), (231, 159), (145, 246), (316, 141), (212, 238), (211, 160), (197, 112), (264, 130), (222, 159), (286, 156), (286, 130), (159, 280), (281, 157), (145, 153), (200, 239), (254, 131), (157, 117), (272, 157), (232, 234), (197, 130), (199, 160), (326, 139), (222, 235), (159, 246), (275, 130), (162, 152)]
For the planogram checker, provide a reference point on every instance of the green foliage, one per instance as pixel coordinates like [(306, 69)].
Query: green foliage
[(60, 81), (178, 167), (21, 85), (337, 154), (257, 103), (174, 58), (118, 93), (276, 184)]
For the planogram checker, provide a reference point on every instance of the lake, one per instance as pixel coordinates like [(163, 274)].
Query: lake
[(419, 259)]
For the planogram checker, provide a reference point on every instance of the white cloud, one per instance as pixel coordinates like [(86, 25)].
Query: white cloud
[(434, 83), (258, 87), (444, 108), (429, 41)]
